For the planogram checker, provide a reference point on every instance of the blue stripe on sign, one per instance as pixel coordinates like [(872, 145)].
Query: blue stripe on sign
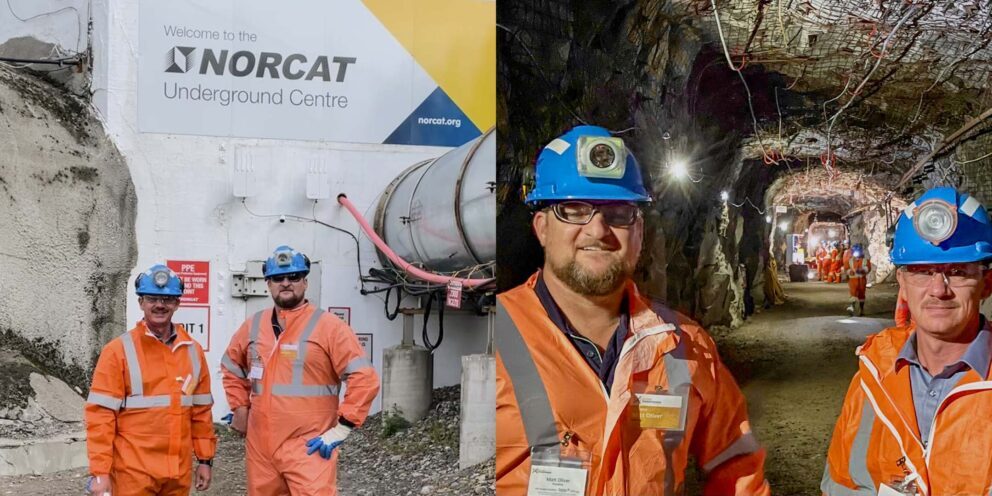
[(436, 122)]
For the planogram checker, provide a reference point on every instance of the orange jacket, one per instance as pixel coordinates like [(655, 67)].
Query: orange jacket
[(854, 266), (877, 428), (297, 395), (149, 406), (902, 315), (625, 460)]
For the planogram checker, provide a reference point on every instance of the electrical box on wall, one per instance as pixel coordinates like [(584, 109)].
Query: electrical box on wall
[(251, 282)]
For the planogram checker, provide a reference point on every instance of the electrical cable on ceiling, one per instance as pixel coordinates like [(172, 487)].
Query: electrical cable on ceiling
[(747, 89), (983, 157)]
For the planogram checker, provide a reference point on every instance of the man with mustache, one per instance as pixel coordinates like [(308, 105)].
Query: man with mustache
[(148, 410), (599, 389), (915, 419), (282, 373)]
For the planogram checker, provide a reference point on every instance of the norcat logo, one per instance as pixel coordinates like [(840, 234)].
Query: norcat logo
[(182, 59)]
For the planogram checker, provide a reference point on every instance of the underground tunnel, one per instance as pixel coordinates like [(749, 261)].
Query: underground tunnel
[(764, 128)]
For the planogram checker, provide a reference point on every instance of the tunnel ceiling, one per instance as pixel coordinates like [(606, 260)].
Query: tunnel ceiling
[(879, 83), (842, 190)]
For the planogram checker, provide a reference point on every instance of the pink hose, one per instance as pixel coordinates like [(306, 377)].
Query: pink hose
[(403, 264)]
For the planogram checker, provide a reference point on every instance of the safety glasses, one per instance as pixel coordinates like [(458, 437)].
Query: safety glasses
[(953, 275), (581, 213), (165, 300), (295, 277)]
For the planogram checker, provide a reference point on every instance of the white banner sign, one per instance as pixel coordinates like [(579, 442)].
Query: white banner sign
[(342, 70)]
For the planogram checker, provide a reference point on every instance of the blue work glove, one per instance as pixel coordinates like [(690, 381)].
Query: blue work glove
[(228, 418), (326, 442)]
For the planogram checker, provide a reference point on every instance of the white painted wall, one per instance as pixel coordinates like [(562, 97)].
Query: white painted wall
[(187, 211), (59, 22)]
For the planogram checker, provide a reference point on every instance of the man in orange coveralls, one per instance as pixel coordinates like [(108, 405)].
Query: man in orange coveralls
[(836, 264), (148, 411), (282, 373), (915, 418), (857, 265), (599, 389), (821, 260)]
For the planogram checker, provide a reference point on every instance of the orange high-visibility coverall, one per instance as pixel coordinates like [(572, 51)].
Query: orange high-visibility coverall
[(836, 266), (536, 365), (148, 413), (296, 397), (821, 260), (902, 314), (877, 435), (857, 273)]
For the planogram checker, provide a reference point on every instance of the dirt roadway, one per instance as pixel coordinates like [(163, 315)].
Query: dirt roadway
[(794, 363)]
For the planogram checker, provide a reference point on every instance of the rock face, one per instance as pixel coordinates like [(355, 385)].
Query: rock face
[(41, 420), (68, 228)]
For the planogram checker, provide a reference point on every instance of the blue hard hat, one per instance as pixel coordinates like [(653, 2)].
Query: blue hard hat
[(586, 163), (942, 226), (285, 260), (158, 280)]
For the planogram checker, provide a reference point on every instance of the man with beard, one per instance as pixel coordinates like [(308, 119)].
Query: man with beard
[(148, 410), (282, 373), (601, 390), (915, 419)]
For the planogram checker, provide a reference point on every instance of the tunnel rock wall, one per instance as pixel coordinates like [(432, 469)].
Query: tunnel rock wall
[(68, 213)]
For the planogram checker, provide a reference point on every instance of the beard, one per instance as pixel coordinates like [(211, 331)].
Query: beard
[(583, 282), (287, 302)]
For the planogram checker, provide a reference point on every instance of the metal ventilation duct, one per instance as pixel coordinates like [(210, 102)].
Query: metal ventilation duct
[(441, 213)]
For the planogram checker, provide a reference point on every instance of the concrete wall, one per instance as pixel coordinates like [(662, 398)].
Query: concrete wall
[(187, 211), (58, 23), (68, 209)]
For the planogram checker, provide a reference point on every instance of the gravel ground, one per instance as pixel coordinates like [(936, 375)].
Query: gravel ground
[(420, 459)]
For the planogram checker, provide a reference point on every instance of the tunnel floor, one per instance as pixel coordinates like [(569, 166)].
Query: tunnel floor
[(794, 363)]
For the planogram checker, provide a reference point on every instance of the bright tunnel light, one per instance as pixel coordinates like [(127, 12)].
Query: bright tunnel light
[(678, 169)]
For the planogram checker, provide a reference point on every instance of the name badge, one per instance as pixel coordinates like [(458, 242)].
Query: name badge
[(256, 372), (556, 481), (660, 411), (289, 350)]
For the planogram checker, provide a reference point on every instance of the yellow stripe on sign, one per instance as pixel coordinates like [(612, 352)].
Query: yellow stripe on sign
[(455, 42)]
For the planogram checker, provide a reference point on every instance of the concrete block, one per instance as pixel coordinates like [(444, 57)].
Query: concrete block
[(477, 440), (43, 456), (407, 381)]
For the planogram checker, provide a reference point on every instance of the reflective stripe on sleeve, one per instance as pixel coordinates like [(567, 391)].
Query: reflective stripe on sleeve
[(104, 400), (356, 364), (830, 487), (232, 367), (742, 446)]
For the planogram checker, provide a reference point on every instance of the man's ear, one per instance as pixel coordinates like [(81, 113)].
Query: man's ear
[(540, 224), (987, 283)]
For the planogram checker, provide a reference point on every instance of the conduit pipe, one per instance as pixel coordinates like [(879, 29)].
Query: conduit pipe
[(396, 259)]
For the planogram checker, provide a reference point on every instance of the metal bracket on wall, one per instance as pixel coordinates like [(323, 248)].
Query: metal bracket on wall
[(249, 283)]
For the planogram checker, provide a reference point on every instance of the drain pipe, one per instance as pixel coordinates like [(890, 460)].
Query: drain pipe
[(403, 264)]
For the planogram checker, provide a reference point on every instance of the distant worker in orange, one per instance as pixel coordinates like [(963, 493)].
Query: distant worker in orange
[(834, 264), (858, 265), (903, 316), (821, 260), (148, 411), (282, 374)]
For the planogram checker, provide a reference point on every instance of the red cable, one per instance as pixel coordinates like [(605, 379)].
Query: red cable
[(403, 264)]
